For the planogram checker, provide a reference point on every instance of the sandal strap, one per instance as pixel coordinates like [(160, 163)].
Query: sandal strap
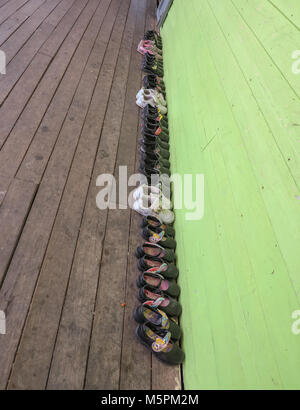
[(156, 236), (161, 343), (159, 293), (154, 303), (158, 269), (155, 246), (156, 276), (164, 320)]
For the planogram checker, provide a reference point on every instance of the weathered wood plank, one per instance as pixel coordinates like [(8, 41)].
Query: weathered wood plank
[(66, 242), (21, 34), (13, 213), (2, 2), (28, 257), (53, 280), (16, 20), (14, 105), (4, 184), (62, 30), (9, 8), (104, 358), (21, 59), (135, 373), (68, 370), (37, 156), (23, 132)]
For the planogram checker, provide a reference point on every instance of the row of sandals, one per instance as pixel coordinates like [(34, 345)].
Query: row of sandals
[(158, 290)]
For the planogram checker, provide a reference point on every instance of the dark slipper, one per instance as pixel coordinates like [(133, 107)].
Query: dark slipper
[(147, 85), (153, 65), (168, 305), (152, 158), (157, 281), (147, 313), (164, 122), (153, 144), (150, 111), (160, 344), (157, 131), (152, 60), (153, 82), (150, 136), (153, 113), (152, 69), (163, 137), (159, 165), (159, 237), (154, 125), (147, 169), (153, 222), (163, 145), (154, 178), (147, 148), (162, 163), (152, 35), (153, 79), (150, 123), (167, 270), (154, 250), (150, 174), (162, 130)]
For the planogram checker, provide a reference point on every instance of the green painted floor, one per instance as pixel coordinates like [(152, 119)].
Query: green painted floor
[(235, 117)]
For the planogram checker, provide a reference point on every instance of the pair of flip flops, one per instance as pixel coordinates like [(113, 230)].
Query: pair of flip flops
[(159, 333)]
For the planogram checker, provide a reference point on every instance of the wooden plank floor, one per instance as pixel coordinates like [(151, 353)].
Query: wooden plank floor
[(67, 115)]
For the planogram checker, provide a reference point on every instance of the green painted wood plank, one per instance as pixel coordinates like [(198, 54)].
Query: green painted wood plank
[(257, 260), (206, 357), (281, 109), (227, 257), (210, 129), (280, 192), (289, 8), (204, 310), (275, 34), (208, 256)]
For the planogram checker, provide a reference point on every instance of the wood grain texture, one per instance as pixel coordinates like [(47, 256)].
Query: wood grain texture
[(104, 359), (13, 213), (20, 50), (68, 114), (16, 20), (10, 8), (4, 184), (135, 372), (33, 242)]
